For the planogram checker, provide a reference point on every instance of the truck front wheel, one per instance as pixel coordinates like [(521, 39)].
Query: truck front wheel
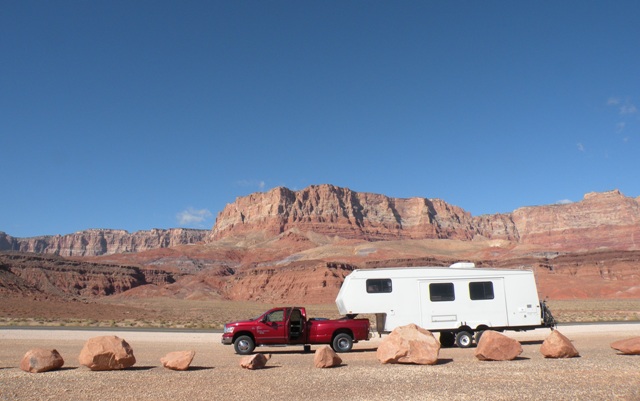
[(342, 343), (244, 345)]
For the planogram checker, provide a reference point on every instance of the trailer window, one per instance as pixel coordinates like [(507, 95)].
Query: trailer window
[(481, 290), (440, 292), (376, 285)]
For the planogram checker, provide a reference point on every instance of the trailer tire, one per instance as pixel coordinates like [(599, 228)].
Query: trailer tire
[(464, 339), (447, 339), (244, 345), (478, 336), (342, 343)]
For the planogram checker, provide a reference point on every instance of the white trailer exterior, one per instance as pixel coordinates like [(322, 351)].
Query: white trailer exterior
[(457, 301)]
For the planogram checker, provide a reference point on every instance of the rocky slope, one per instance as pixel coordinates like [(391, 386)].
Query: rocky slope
[(102, 241), (43, 276)]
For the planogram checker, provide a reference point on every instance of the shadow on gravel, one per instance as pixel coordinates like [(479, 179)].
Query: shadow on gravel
[(522, 358), (444, 361), (195, 368), (141, 368)]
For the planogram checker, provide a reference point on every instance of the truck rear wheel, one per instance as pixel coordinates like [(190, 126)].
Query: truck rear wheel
[(464, 339), (244, 345), (342, 343)]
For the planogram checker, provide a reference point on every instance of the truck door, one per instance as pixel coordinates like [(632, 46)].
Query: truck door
[(272, 328), (296, 327)]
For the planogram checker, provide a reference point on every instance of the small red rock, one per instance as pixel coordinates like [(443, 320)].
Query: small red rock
[(178, 360), (325, 357), (39, 360), (494, 346), (629, 346)]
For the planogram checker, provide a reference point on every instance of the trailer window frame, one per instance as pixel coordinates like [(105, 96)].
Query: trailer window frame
[(481, 290), (379, 285), (442, 292)]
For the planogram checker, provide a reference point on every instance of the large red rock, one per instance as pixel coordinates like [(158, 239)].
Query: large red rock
[(325, 357), (39, 360), (494, 346), (409, 344), (255, 361), (556, 345), (178, 360), (629, 346), (107, 353)]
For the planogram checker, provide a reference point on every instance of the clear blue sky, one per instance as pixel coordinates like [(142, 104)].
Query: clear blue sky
[(153, 114)]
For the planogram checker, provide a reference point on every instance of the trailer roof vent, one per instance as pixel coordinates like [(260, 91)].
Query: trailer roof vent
[(463, 265)]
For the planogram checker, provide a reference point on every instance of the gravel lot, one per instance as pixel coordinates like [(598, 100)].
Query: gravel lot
[(599, 374)]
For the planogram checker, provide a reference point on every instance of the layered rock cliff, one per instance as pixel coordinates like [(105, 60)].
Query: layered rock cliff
[(601, 220), (102, 241), (331, 210)]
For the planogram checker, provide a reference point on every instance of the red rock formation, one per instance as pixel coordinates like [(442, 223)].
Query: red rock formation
[(331, 210), (607, 220), (102, 241)]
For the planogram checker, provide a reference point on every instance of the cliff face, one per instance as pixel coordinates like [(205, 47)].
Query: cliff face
[(102, 241), (601, 220), (331, 210)]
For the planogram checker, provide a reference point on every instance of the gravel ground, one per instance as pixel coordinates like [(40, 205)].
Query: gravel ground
[(598, 374)]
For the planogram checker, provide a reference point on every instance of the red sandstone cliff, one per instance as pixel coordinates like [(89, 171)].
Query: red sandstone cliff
[(102, 241), (602, 220), (336, 211)]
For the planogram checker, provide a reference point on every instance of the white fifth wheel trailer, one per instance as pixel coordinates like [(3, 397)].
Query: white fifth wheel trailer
[(457, 301)]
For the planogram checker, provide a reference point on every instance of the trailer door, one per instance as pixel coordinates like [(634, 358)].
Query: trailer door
[(438, 303)]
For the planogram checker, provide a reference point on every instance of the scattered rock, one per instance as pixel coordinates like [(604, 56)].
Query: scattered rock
[(494, 346), (557, 345), (178, 360), (39, 360), (255, 361), (107, 353), (409, 344), (325, 357), (629, 346)]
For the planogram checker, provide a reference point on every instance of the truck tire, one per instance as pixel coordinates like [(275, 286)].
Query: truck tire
[(244, 345), (464, 339), (342, 343)]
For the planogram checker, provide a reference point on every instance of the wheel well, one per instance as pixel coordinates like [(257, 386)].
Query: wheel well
[(340, 331), (482, 327), (243, 333), (465, 328)]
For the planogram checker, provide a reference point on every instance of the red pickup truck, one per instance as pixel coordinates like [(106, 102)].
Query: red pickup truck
[(289, 326)]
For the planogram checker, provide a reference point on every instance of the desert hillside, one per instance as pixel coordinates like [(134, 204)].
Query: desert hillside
[(287, 246)]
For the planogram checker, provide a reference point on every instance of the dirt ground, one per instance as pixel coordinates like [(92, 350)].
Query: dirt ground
[(598, 374)]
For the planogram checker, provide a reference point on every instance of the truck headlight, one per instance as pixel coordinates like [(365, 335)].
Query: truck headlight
[(228, 329)]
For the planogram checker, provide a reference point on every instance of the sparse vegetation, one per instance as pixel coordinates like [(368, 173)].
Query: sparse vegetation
[(212, 315)]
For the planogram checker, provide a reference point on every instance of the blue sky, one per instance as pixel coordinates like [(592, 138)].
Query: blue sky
[(154, 114)]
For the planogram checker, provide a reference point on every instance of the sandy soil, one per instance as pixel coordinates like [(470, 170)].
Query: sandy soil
[(598, 374)]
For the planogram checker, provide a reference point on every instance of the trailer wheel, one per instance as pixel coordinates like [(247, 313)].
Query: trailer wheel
[(464, 339), (342, 343), (244, 345), (447, 339), (478, 336)]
